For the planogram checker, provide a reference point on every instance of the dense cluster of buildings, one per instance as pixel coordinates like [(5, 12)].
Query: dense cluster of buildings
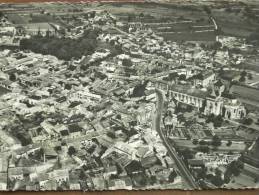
[(89, 123)]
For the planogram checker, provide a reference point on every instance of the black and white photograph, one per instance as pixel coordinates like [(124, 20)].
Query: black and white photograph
[(132, 95)]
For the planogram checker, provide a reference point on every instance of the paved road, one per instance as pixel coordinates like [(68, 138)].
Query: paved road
[(185, 173)]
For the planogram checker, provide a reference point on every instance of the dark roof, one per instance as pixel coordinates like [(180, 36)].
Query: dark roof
[(74, 104), (74, 128), (61, 99), (133, 166), (195, 162)]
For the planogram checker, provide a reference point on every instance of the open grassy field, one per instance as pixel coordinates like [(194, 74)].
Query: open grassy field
[(18, 19), (159, 10), (187, 36), (234, 24)]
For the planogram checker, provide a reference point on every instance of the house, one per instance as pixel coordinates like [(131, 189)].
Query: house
[(204, 79), (3, 63), (111, 170), (121, 183), (6, 84), (154, 169), (16, 173), (216, 159), (74, 185), (148, 160), (3, 181), (48, 185), (195, 163), (32, 187), (74, 131), (83, 95), (99, 183), (169, 162), (3, 164), (163, 175), (60, 175), (48, 127), (49, 153)]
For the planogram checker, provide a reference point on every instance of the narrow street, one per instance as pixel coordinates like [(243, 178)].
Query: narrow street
[(185, 173)]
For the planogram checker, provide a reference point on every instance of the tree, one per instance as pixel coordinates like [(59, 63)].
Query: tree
[(172, 76), (12, 77), (172, 176), (242, 79), (217, 45), (153, 180), (139, 90), (250, 76), (82, 175), (72, 68), (63, 48), (202, 142), (248, 121), (234, 168), (195, 141), (187, 154), (141, 15), (182, 77), (189, 108), (111, 135), (71, 150), (207, 10), (202, 148), (229, 143), (243, 73), (217, 181), (218, 120), (68, 86), (126, 62), (216, 141)]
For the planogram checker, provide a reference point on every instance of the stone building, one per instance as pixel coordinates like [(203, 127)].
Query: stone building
[(212, 103)]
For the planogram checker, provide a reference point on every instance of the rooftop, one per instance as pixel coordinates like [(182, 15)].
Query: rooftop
[(190, 90), (36, 26)]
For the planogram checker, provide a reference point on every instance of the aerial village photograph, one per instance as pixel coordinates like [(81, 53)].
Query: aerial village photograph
[(129, 95)]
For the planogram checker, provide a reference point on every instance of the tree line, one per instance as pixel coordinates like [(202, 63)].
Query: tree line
[(63, 48)]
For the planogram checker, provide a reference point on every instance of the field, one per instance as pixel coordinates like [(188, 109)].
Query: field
[(157, 10), (234, 24), (36, 18), (203, 36), (249, 66), (173, 22), (18, 19)]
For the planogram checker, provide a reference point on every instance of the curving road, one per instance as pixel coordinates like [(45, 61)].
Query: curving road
[(185, 173)]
